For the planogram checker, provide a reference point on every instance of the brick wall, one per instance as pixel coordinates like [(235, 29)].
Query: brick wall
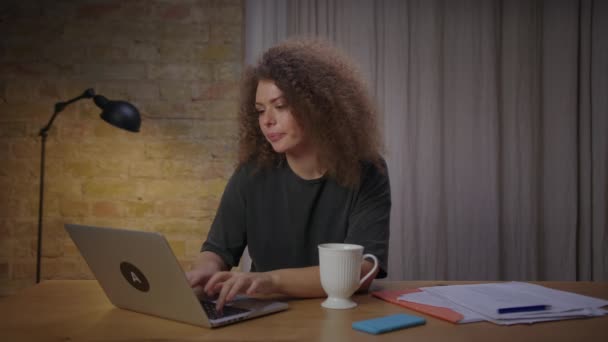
[(177, 61)]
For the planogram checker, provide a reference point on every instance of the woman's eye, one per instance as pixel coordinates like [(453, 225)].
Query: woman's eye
[(259, 111)]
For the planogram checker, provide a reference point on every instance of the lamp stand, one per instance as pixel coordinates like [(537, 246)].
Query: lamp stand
[(40, 206), (59, 106)]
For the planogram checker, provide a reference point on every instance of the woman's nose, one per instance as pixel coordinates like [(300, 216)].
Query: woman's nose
[(268, 118)]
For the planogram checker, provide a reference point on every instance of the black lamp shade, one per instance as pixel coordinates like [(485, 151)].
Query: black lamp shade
[(119, 113)]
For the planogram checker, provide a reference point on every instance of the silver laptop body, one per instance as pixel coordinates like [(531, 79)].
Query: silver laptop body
[(138, 271)]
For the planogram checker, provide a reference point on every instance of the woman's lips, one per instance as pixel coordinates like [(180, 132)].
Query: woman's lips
[(274, 137)]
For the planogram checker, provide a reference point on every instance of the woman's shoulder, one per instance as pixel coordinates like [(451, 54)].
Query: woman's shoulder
[(374, 173), (373, 166)]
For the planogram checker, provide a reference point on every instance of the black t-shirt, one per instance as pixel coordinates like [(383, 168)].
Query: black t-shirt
[(282, 218)]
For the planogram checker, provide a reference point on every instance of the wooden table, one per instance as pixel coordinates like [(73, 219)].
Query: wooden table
[(77, 310)]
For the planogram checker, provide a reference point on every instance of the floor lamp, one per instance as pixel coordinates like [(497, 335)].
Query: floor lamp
[(117, 113)]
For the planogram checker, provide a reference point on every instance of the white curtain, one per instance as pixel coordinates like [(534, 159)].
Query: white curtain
[(495, 116)]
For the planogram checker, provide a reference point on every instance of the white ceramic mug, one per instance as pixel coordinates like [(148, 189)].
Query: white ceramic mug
[(340, 265)]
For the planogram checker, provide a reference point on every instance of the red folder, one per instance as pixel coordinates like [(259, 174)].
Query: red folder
[(435, 311)]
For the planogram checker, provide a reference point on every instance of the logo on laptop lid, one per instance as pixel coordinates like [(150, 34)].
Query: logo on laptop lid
[(134, 276)]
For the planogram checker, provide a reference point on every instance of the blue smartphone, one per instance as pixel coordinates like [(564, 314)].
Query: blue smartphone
[(388, 323)]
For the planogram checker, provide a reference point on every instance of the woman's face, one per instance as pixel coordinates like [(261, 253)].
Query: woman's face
[(276, 120)]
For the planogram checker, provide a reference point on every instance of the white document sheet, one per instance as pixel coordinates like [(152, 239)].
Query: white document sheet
[(486, 299)]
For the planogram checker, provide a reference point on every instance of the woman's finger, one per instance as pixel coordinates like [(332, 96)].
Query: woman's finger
[(239, 284), (196, 278), (221, 299), (216, 278), (253, 287), (190, 277)]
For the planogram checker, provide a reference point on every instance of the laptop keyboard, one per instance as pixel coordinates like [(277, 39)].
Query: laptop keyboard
[(209, 308)]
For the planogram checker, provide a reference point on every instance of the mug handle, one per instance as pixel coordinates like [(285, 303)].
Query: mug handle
[(369, 274)]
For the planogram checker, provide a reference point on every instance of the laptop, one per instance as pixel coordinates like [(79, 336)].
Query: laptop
[(139, 272)]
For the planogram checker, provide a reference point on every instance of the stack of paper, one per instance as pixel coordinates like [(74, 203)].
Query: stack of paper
[(444, 313), (427, 298), (508, 303)]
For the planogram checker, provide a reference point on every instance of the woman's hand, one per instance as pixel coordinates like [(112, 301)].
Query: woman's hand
[(228, 284), (206, 265), (199, 276)]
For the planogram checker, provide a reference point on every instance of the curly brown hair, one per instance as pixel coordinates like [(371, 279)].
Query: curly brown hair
[(327, 98)]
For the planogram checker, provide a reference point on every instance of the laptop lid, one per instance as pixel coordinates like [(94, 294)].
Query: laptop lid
[(138, 271)]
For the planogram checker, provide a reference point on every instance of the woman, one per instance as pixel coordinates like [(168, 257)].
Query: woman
[(309, 172)]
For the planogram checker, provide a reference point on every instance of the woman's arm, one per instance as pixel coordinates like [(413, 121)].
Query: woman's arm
[(306, 282), (293, 282), (210, 260)]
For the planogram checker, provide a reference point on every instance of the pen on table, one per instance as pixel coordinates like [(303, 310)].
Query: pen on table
[(528, 308)]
